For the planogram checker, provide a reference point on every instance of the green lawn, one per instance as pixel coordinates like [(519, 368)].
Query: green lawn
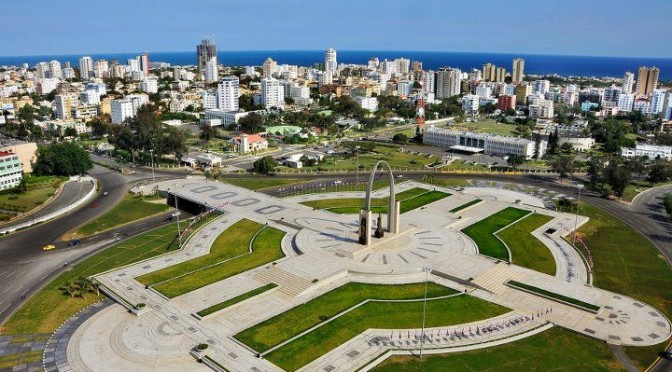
[(220, 263), (381, 315), (237, 299), (554, 350), (50, 307), (129, 209), (257, 183), (40, 189), (11, 360), (283, 326), (526, 250), (626, 262), (482, 232), (487, 126), (553, 295), (465, 205), (410, 200)]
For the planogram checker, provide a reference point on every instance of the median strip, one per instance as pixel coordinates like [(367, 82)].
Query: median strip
[(554, 296)]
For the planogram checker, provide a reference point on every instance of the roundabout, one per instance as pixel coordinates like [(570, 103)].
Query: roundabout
[(322, 254)]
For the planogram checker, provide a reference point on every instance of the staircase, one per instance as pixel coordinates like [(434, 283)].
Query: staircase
[(288, 283), (493, 280)]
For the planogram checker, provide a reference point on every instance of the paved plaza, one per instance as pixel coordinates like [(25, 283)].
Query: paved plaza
[(322, 253)]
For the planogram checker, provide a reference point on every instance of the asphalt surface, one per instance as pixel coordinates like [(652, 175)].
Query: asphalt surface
[(70, 193)]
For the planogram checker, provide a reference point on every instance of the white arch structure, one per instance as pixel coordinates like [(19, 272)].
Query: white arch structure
[(392, 208)]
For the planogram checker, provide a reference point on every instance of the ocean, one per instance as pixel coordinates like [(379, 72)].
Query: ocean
[(534, 63)]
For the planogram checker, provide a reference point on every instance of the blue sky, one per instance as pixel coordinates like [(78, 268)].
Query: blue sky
[(574, 27)]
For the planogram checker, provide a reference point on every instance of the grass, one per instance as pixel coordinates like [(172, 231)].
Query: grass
[(626, 262), (381, 315), (228, 257), (465, 205), (410, 199), (283, 326), (261, 182), (11, 360), (526, 249), (50, 307), (553, 295), (482, 232), (554, 350), (486, 126), (129, 209), (40, 189), (237, 299)]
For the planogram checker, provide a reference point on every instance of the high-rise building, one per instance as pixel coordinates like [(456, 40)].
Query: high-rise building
[(330, 63), (428, 82), (64, 105), (204, 51), (518, 72), (85, 67), (144, 63), (42, 70), (628, 82), (55, 70), (269, 68), (489, 72), (500, 75), (448, 82), (211, 70), (647, 79), (272, 93), (227, 93), (134, 64), (404, 65)]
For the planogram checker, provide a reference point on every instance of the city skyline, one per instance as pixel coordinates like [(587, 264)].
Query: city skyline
[(580, 28)]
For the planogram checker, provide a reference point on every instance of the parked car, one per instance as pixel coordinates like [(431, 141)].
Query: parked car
[(105, 193), (74, 242), (48, 247), (94, 205)]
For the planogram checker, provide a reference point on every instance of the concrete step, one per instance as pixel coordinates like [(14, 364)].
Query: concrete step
[(288, 283), (493, 280)]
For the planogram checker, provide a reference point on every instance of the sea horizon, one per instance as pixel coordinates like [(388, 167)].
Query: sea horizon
[(535, 64)]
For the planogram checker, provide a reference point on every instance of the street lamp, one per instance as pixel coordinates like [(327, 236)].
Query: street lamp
[(151, 154), (426, 270), (357, 165), (179, 235), (576, 217)]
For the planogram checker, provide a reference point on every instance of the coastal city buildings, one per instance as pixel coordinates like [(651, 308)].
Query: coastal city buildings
[(483, 143), (647, 80), (518, 71)]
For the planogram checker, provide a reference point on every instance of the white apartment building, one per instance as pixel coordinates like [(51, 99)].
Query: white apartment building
[(541, 86), (227, 93), (272, 93), (628, 82), (652, 151), (89, 97), (209, 100), (429, 81), (47, 85), (127, 107), (220, 117), (405, 87), (657, 102), (626, 101), (330, 63), (448, 82), (368, 103), (55, 70), (211, 70), (541, 109), (481, 142), (10, 170), (64, 104), (134, 64), (470, 104), (149, 85), (85, 67), (484, 90)]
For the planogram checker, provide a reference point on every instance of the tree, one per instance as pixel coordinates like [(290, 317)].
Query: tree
[(566, 148), (61, 159), (400, 138), (597, 166), (251, 123), (70, 132), (618, 176), (667, 203), (264, 165), (553, 142), (660, 172), (515, 160), (537, 146), (564, 165)]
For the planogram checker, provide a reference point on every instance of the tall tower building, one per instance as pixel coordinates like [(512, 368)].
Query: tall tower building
[(211, 70), (518, 72), (330, 63), (227, 93), (204, 51), (500, 75), (272, 93), (628, 82), (448, 82), (144, 63), (647, 79), (269, 67), (55, 70), (489, 72), (85, 67)]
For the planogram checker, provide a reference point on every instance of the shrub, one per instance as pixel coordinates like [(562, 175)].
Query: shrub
[(201, 347)]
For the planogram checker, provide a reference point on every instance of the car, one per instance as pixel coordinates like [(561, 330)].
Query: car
[(168, 219), (74, 242), (105, 193), (667, 354), (48, 247), (94, 205)]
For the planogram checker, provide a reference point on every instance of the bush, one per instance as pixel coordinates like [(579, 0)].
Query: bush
[(201, 347), (140, 306)]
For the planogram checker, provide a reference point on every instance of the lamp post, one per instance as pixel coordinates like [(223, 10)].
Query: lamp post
[(426, 270), (576, 217), (151, 154), (179, 234), (357, 165)]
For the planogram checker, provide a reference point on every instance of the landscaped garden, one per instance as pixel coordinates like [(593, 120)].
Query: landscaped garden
[(554, 350), (229, 255), (526, 249), (440, 312), (38, 190), (410, 199), (129, 209), (483, 232)]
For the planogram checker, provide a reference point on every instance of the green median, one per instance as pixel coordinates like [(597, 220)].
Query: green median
[(554, 296), (237, 299)]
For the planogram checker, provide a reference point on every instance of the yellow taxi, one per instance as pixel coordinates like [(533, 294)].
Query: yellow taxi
[(48, 247)]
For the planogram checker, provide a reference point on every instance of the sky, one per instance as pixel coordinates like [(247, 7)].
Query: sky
[(568, 27)]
